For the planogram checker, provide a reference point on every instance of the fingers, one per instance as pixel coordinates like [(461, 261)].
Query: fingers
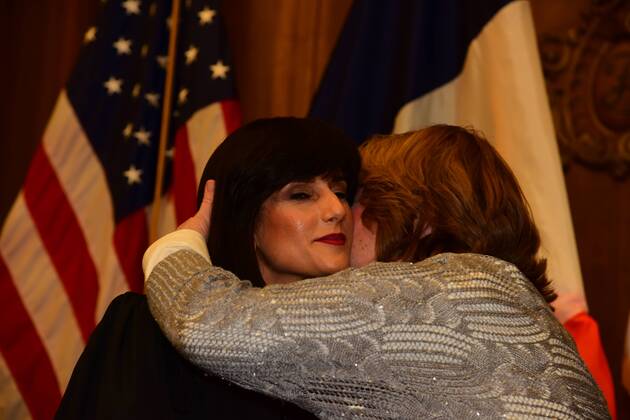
[(208, 194), (201, 220), (205, 209)]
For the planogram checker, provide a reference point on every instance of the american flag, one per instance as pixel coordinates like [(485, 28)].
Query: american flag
[(75, 235)]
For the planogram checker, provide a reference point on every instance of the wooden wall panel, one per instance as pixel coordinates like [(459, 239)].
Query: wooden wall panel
[(281, 48), (600, 207), (40, 43)]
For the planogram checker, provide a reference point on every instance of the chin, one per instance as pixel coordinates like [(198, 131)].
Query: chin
[(335, 267)]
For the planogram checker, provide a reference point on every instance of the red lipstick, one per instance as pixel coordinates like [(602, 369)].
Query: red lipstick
[(338, 239)]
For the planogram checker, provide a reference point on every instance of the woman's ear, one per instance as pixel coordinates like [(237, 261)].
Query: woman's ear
[(256, 233), (255, 240), (426, 230)]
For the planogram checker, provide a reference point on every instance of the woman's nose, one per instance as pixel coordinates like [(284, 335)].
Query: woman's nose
[(333, 208)]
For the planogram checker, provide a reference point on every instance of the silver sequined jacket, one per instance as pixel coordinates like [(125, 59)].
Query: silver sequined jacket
[(454, 336)]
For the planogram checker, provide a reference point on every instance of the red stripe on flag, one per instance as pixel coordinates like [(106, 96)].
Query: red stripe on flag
[(63, 238), (585, 332), (130, 241), (25, 353), (184, 179), (231, 115)]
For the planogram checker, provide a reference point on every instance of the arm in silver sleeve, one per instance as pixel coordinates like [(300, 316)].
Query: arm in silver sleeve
[(460, 336)]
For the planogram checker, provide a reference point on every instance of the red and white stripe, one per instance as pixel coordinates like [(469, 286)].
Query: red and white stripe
[(62, 259), (194, 143)]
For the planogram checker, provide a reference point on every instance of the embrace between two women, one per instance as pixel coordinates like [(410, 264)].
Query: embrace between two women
[(453, 321)]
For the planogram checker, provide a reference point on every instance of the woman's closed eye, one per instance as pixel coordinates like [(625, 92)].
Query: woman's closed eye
[(300, 195)]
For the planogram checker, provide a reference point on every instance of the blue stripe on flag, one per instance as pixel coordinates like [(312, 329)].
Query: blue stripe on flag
[(391, 52)]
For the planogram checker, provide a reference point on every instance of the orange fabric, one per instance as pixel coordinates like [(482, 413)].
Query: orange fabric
[(585, 332)]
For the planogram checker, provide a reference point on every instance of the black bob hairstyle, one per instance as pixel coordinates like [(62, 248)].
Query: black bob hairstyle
[(257, 160)]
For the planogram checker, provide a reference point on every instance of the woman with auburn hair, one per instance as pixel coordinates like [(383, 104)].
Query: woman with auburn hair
[(454, 323), (445, 189)]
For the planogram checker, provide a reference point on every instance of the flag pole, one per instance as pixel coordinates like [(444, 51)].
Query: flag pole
[(165, 123)]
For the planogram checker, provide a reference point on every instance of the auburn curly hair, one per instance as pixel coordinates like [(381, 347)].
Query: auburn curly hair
[(445, 189)]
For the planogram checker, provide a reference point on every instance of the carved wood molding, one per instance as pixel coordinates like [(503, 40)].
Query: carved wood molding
[(587, 71)]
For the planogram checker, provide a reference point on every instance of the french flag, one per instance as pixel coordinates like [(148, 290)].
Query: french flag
[(402, 65)]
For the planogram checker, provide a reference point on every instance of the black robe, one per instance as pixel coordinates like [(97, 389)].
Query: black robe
[(129, 370)]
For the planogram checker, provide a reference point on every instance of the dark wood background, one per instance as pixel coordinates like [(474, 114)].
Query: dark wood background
[(280, 49)]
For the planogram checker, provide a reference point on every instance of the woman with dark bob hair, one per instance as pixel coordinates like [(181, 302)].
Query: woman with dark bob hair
[(254, 163), (455, 323), (281, 186)]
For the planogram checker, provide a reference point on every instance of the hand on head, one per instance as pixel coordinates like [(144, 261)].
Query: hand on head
[(201, 220)]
